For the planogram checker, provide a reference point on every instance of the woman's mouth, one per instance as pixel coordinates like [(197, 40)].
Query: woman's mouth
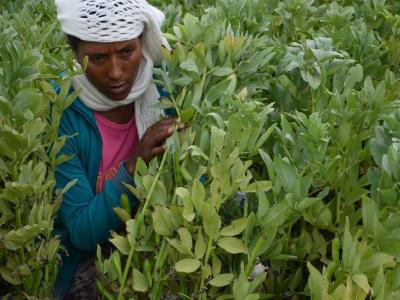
[(118, 88)]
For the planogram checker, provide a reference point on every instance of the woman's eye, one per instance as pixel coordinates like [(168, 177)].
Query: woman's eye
[(127, 51), (96, 58)]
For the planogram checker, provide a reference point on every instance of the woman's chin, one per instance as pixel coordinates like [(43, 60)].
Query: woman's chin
[(118, 96)]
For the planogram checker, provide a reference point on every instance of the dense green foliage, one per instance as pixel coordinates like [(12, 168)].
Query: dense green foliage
[(290, 163), (31, 53)]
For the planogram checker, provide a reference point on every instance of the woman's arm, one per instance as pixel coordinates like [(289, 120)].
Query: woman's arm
[(88, 218)]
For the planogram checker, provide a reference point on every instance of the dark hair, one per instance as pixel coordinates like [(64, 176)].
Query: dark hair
[(73, 42)]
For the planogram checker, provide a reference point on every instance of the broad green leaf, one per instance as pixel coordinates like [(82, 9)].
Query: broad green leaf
[(198, 194), (378, 287), (211, 220), (139, 281), (190, 66), (264, 186), (222, 280), (216, 265), (178, 246), (116, 263), (232, 245), (354, 76), (222, 71), (15, 239), (286, 173), (186, 238), (122, 214), (187, 265), (161, 221), (315, 282), (121, 243), (362, 281), (235, 228), (184, 194), (200, 246), (307, 202), (349, 246), (369, 214), (217, 91), (9, 276), (373, 262)]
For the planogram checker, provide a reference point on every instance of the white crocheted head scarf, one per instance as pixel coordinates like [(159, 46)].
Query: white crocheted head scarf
[(115, 21)]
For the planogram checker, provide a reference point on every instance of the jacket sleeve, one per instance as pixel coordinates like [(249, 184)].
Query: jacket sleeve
[(87, 218)]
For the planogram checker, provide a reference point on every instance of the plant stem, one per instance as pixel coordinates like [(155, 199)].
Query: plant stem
[(157, 285), (137, 227), (209, 246), (253, 256)]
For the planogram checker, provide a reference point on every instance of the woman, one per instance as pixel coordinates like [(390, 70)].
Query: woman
[(112, 124)]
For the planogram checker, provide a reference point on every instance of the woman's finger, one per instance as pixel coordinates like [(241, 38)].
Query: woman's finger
[(158, 150)]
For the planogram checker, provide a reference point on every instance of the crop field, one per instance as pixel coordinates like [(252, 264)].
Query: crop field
[(286, 184)]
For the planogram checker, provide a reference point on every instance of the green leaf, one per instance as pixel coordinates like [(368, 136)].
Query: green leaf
[(355, 75), (184, 194), (121, 243), (264, 186), (198, 194), (122, 214), (307, 202), (232, 245), (236, 227), (286, 173), (211, 220), (265, 136), (15, 239), (27, 99), (187, 114), (190, 66), (378, 287), (369, 214), (222, 280), (200, 246), (187, 265), (161, 221), (362, 281), (373, 262), (186, 238), (222, 71), (216, 265), (139, 281), (116, 263), (10, 276), (217, 91), (174, 243), (315, 282)]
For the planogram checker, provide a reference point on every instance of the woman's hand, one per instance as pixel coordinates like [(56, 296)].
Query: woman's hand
[(152, 142)]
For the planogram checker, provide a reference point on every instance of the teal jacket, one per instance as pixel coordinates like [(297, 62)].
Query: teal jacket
[(85, 218)]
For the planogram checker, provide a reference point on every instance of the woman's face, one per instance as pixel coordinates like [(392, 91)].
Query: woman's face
[(112, 67)]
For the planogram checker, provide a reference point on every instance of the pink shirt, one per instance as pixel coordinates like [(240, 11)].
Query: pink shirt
[(118, 141)]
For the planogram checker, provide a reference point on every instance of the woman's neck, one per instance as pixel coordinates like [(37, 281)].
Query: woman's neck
[(120, 114)]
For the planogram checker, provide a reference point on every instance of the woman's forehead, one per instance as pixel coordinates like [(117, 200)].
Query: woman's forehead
[(100, 47)]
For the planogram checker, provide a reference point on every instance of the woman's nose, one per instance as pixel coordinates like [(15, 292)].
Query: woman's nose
[(115, 70)]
